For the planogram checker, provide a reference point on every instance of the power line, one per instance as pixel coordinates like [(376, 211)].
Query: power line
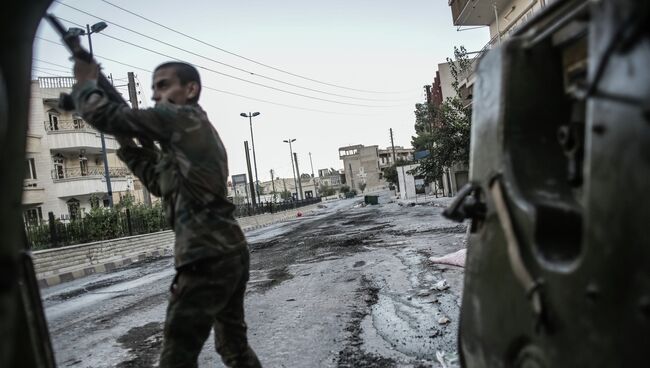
[(231, 76), (67, 67), (219, 90), (36, 69), (53, 69), (243, 57), (220, 62)]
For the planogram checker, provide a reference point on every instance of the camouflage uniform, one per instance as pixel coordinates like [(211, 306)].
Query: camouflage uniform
[(189, 172)]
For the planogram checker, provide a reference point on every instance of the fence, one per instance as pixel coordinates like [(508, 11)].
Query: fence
[(112, 224), (271, 207)]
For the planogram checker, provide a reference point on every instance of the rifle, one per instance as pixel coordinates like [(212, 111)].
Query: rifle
[(72, 42)]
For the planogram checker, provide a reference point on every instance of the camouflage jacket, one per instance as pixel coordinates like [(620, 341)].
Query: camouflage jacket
[(189, 171)]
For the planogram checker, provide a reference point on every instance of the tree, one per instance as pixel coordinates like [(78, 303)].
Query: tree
[(325, 190), (390, 173), (362, 186), (344, 189), (445, 130), (285, 195), (305, 176)]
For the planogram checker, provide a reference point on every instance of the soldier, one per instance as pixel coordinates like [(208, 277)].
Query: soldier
[(189, 172)]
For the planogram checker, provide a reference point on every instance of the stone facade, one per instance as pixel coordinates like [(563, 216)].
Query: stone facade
[(64, 164)]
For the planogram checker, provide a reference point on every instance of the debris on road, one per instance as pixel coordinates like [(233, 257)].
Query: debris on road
[(455, 259), (441, 285)]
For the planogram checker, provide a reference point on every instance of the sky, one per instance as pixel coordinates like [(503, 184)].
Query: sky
[(357, 68)]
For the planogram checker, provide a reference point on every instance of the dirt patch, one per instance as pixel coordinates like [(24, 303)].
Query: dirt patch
[(353, 354), (144, 342), (458, 229)]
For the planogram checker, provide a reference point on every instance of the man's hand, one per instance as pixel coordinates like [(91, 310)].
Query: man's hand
[(84, 71)]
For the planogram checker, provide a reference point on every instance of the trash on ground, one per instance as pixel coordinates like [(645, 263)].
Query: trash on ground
[(454, 259), (441, 285)]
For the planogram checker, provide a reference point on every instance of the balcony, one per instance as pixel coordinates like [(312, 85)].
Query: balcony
[(76, 134), (77, 182), (32, 192), (475, 12)]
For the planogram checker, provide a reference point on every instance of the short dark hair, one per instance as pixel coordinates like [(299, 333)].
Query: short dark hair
[(185, 72)]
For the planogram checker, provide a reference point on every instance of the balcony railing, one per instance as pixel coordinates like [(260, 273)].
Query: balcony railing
[(67, 125), (95, 171), (469, 71)]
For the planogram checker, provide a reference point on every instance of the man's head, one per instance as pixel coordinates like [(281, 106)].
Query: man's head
[(177, 83)]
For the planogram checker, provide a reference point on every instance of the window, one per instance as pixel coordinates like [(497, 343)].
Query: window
[(33, 216), (77, 122), (83, 163), (53, 116), (59, 171), (30, 169), (74, 209)]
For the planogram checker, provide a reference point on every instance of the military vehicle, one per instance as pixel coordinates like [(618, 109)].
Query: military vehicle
[(558, 267), (558, 258)]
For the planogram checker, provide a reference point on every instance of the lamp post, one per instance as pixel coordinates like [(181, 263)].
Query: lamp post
[(96, 28), (250, 120), (293, 170)]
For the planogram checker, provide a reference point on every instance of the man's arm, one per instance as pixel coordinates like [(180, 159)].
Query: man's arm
[(158, 124), (142, 162)]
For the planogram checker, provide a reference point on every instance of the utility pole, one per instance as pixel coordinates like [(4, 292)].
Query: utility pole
[(250, 174), (313, 178), (392, 143), (133, 97), (293, 170), (351, 177), (295, 157), (273, 184)]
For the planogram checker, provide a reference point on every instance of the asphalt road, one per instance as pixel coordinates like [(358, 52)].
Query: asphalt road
[(346, 286)]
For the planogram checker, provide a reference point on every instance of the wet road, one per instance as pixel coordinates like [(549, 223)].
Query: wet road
[(345, 286)]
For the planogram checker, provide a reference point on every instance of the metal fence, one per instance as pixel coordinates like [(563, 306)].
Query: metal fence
[(112, 224), (272, 207)]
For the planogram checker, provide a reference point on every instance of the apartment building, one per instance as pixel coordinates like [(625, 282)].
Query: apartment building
[(64, 167), (386, 156), (361, 165), (330, 177), (501, 16)]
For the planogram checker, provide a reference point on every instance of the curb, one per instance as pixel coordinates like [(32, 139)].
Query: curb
[(101, 268), (115, 264)]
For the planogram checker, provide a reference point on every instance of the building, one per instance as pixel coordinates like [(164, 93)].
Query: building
[(361, 165), (501, 16), (64, 167), (330, 178), (410, 185), (401, 154)]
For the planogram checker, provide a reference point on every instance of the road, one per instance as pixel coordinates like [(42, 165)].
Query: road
[(346, 286)]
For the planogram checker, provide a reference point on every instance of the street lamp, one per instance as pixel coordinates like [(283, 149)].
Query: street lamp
[(96, 28), (250, 120), (293, 170)]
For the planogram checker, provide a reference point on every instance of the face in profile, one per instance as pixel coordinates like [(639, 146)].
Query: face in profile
[(167, 87)]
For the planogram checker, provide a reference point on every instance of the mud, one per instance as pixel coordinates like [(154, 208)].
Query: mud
[(353, 355), (144, 343)]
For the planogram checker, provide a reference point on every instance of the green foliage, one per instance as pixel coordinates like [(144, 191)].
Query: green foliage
[(344, 189), (362, 186), (285, 195), (445, 130), (326, 190), (100, 224), (390, 173)]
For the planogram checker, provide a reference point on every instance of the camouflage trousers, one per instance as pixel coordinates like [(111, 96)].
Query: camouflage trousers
[(205, 296)]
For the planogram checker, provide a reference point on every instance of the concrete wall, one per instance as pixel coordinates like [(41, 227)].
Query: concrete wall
[(54, 266)]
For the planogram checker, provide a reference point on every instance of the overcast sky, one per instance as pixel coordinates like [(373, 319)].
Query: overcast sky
[(379, 54)]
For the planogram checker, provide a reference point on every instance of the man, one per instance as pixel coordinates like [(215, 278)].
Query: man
[(189, 172)]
